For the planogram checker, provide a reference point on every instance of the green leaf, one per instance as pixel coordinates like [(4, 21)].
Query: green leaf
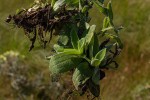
[(85, 9), (81, 74), (18, 11), (96, 45), (72, 2), (96, 76), (87, 26), (119, 42), (110, 12), (101, 54), (74, 38), (94, 89), (63, 39), (58, 4), (105, 22), (58, 48), (90, 34), (117, 38), (85, 69), (81, 45), (80, 6), (72, 51), (61, 63), (95, 62), (108, 28), (101, 8), (93, 46), (53, 2)]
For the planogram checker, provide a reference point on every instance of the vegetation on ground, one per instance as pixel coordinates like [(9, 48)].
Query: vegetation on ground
[(130, 82)]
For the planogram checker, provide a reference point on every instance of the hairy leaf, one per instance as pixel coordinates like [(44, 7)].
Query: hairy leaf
[(74, 38), (72, 51), (72, 2), (110, 12), (94, 89), (96, 76), (53, 2), (85, 9), (90, 34), (58, 4), (81, 45), (101, 8), (106, 22), (91, 44), (61, 63), (95, 62), (101, 54), (87, 26), (81, 74), (117, 39), (108, 28), (63, 39), (95, 45), (58, 48)]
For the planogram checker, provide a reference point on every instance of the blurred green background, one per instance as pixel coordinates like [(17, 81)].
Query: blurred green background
[(130, 82)]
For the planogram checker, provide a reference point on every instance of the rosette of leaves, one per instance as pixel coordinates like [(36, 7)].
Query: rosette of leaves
[(80, 48)]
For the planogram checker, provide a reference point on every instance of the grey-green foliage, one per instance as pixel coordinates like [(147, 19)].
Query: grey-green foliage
[(83, 52), (81, 74), (79, 47), (62, 62)]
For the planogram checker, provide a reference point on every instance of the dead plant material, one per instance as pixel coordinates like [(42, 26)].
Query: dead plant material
[(39, 22)]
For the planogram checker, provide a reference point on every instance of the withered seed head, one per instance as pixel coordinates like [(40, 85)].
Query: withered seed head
[(8, 18)]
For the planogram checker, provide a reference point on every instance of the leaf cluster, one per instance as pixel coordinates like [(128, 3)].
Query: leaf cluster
[(79, 48)]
